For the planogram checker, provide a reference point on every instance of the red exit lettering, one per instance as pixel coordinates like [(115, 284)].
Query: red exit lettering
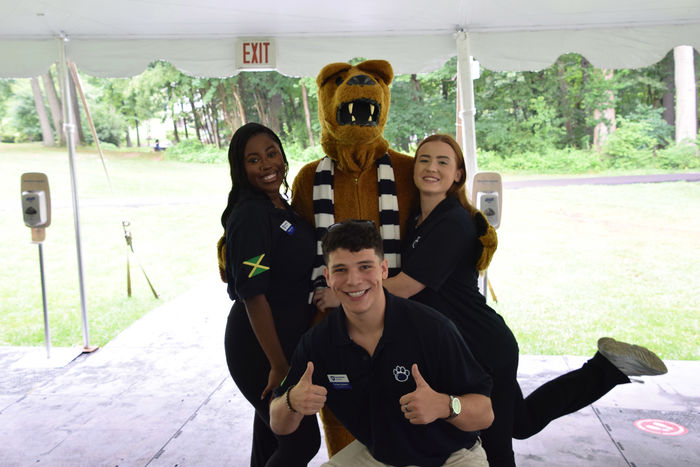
[(256, 53)]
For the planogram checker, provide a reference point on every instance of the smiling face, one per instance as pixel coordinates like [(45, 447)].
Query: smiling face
[(264, 164), (435, 169), (356, 278)]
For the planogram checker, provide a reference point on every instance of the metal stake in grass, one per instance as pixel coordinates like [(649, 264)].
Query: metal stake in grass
[(129, 253)]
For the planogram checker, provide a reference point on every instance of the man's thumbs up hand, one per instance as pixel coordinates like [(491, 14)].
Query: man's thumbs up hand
[(423, 405), (305, 397), (308, 374), (418, 378)]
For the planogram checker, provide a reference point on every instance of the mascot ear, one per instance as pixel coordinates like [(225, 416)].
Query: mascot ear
[(380, 68), (329, 70)]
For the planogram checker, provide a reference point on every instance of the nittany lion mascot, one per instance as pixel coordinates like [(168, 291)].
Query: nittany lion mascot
[(360, 177)]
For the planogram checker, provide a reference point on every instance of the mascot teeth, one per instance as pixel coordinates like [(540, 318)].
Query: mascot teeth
[(362, 112)]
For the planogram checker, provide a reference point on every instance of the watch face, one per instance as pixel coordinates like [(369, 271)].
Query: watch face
[(456, 405)]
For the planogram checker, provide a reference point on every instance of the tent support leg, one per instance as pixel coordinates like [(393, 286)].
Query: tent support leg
[(69, 129), (467, 109)]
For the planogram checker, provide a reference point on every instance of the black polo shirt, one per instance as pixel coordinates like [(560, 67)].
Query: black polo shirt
[(441, 253), (271, 251), (364, 391)]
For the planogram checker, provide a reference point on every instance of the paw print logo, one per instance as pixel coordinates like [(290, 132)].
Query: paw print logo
[(401, 374)]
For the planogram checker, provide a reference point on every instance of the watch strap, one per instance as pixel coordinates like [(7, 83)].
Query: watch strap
[(453, 414)]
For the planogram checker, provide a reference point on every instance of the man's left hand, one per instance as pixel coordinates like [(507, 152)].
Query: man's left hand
[(424, 405)]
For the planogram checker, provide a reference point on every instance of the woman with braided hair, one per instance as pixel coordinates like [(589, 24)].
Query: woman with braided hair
[(266, 257)]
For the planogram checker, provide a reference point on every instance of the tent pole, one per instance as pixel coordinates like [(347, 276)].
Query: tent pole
[(467, 109), (69, 130)]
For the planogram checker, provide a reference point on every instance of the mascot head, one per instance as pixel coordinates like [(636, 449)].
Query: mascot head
[(353, 105)]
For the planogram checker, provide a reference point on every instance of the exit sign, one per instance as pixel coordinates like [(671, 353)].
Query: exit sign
[(257, 54)]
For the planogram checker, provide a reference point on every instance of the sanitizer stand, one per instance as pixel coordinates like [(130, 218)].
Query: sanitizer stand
[(47, 333), (36, 211), (487, 196)]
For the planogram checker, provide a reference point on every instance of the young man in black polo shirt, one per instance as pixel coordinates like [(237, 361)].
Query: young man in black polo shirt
[(396, 373)]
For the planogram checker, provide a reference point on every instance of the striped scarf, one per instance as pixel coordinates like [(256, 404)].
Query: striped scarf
[(324, 213)]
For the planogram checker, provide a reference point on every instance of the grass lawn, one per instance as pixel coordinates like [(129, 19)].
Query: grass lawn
[(174, 242), (574, 263)]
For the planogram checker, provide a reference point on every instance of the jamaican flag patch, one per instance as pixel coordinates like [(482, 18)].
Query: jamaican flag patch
[(256, 265)]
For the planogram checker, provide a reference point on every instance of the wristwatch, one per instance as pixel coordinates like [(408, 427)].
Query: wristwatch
[(455, 407)]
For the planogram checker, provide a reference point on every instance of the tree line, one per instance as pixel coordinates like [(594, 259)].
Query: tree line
[(569, 104)]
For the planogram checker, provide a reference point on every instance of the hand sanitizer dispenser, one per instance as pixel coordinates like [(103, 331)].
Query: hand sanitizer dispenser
[(487, 196)]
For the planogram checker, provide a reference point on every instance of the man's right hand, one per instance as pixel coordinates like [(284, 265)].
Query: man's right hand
[(305, 397)]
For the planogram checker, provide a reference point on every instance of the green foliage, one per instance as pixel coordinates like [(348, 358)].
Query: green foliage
[(554, 161), (643, 86), (296, 152), (110, 126), (193, 150), (501, 131), (23, 123), (683, 156), (5, 93), (515, 111), (656, 126), (421, 105), (631, 145)]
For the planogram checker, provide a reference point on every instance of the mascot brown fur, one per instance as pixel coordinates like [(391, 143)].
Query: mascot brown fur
[(353, 106)]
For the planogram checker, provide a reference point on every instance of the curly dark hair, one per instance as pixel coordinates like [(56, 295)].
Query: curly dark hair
[(353, 235)]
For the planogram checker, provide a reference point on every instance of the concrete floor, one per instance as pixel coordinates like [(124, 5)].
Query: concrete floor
[(159, 394)]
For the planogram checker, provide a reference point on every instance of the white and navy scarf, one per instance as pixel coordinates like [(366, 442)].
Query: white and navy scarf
[(324, 213)]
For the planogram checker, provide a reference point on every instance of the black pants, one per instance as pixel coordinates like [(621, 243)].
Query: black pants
[(520, 418), (250, 368)]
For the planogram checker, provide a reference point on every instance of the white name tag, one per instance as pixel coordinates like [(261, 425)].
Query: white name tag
[(339, 381), (288, 227)]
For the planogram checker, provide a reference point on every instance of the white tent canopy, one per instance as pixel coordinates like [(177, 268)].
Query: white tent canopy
[(120, 38)]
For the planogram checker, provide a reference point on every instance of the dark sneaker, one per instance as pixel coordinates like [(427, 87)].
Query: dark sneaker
[(632, 360)]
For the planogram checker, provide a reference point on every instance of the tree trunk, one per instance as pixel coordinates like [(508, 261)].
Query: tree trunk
[(416, 87), (275, 112), (585, 71), (563, 92), (605, 118), (54, 106), (138, 136), (686, 97), (668, 100), (196, 118), (307, 114), (76, 110), (175, 133), (207, 124), (229, 117), (46, 131), (260, 107), (213, 123), (239, 103), (291, 110), (184, 126)]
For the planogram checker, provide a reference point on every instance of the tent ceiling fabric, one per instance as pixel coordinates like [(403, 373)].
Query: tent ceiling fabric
[(109, 38)]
